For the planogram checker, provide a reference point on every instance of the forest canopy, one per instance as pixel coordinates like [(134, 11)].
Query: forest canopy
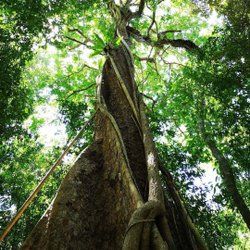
[(191, 64)]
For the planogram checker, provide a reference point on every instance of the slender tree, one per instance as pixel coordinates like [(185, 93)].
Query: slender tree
[(225, 169)]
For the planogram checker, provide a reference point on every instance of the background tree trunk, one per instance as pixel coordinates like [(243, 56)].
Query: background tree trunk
[(229, 180), (225, 168), (113, 179)]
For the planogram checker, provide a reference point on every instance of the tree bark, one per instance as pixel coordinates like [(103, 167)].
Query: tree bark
[(112, 197)]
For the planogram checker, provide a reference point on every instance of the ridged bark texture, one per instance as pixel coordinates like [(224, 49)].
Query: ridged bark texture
[(112, 196)]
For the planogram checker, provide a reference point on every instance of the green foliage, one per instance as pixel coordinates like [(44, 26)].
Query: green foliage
[(20, 23), (51, 54), (22, 165)]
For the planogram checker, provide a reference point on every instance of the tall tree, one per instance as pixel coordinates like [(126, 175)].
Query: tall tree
[(112, 198), (185, 94)]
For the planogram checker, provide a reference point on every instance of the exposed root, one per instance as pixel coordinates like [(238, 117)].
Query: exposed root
[(141, 228)]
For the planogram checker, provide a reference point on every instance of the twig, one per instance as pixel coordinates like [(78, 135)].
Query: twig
[(152, 23), (78, 31), (80, 90), (151, 98), (79, 42)]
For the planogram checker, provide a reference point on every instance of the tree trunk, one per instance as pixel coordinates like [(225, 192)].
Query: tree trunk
[(229, 181), (225, 167), (112, 197)]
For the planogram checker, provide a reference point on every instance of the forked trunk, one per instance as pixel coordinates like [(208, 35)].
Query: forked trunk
[(112, 196)]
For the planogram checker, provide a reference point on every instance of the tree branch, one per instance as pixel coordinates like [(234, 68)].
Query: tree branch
[(79, 42), (140, 10), (81, 69), (78, 31), (153, 22), (148, 59), (178, 43), (170, 63), (80, 90), (163, 33), (150, 98), (74, 40)]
